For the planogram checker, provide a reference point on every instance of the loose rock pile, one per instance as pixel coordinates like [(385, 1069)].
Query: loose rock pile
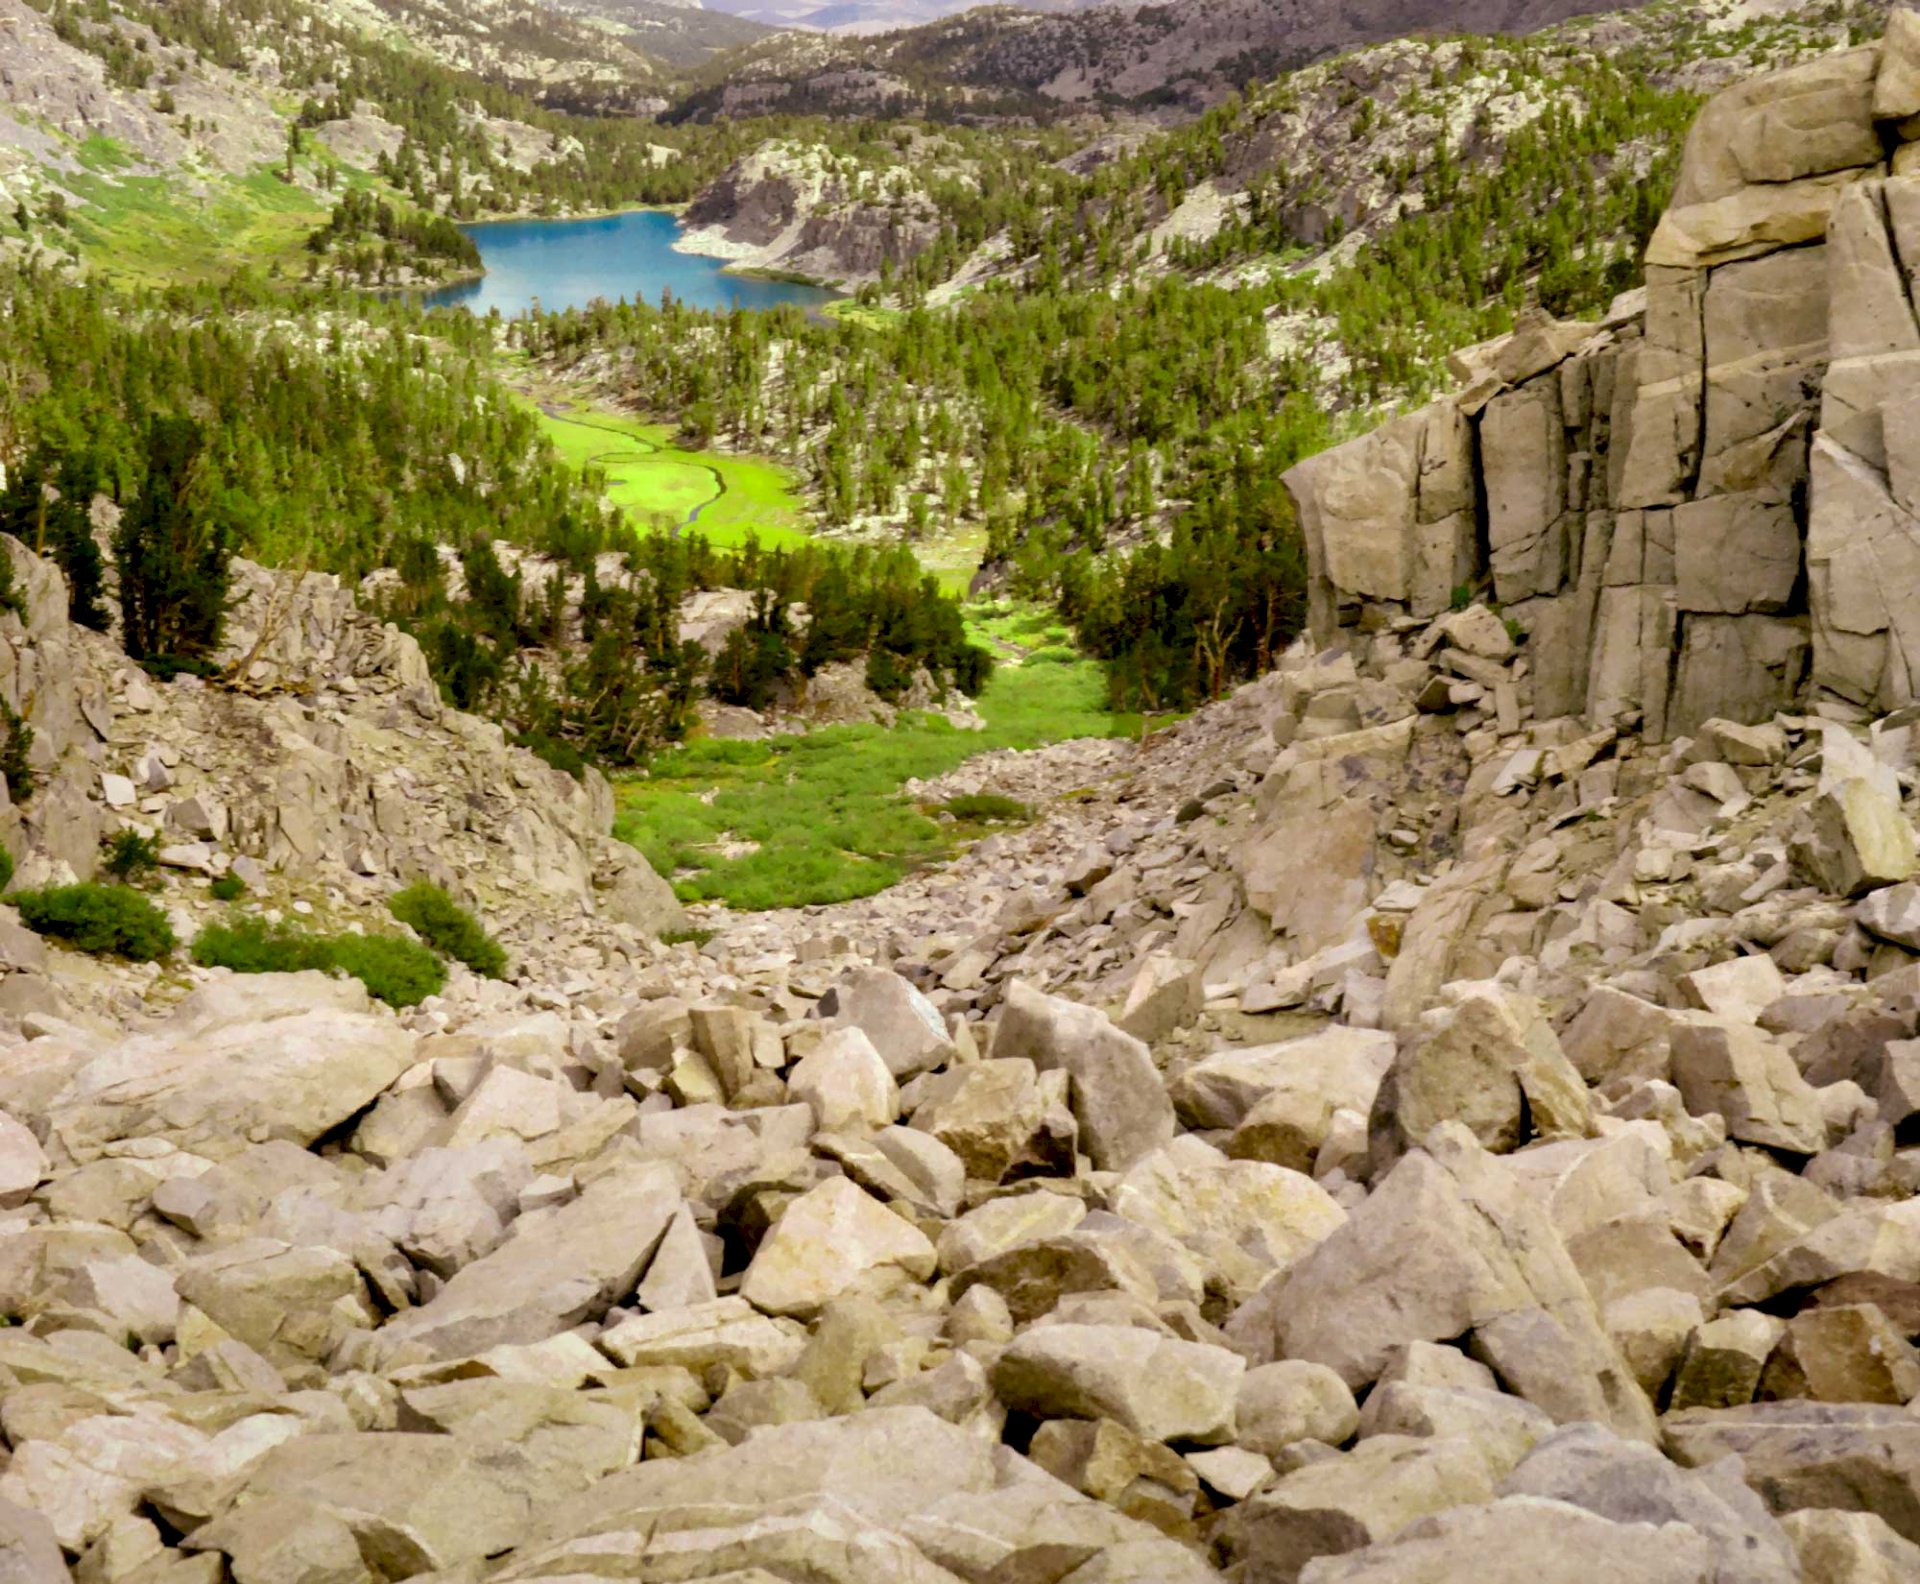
[(1373, 1131), (1575, 1240)]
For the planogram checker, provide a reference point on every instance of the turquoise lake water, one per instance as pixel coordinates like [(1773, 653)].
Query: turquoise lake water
[(568, 263)]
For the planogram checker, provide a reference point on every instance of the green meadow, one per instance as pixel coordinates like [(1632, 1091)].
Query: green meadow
[(662, 487), (820, 817), (139, 230)]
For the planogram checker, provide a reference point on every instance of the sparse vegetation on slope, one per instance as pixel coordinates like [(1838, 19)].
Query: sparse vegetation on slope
[(395, 970)]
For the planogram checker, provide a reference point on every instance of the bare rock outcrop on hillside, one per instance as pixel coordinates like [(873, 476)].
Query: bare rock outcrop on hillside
[(324, 757), (791, 207)]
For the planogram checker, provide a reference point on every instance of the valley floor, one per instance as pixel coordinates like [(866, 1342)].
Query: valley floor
[(840, 813), (830, 815), (661, 486)]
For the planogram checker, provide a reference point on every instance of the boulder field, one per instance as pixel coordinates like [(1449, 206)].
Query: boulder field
[(1440, 1112)]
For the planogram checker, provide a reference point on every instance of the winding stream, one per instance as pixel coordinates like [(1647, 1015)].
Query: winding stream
[(634, 448)]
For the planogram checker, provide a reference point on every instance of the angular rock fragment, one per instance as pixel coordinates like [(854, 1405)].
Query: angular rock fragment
[(1159, 1388), (1116, 1093), (1447, 1244), (555, 1270), (827, 1239)]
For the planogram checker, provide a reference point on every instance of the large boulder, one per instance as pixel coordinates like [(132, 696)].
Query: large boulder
[(1489, 1061), (824, 1242), (1524, 1540), (1158, 1387), (903, 1025), (1244, 1220), (413, 1503), (557, 1269), (1861, 1457), (1116, 1092), (1732, 1070), (1449, 1244), (1856, 838), (217, 1090), (1631, 1483), (881, 1496)]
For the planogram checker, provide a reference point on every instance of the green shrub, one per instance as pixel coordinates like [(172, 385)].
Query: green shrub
[(888, 675), (449, 928), (987, 808), (251, 945), (131, 858), (686, 937), (103, 919), (1053, 654), (395, 970), (227, 888), (6, 868)]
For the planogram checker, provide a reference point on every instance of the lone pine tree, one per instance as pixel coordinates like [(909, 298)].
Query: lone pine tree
[(171, 550)]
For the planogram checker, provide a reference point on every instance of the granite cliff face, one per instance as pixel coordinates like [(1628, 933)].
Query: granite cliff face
[(797, 208), (1701, 506)]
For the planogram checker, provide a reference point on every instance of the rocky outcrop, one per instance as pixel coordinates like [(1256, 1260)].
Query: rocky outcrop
[(322, 757), (797, 208), (1697, 507)]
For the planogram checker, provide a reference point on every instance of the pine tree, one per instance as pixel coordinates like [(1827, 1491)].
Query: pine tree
[(171, 550)]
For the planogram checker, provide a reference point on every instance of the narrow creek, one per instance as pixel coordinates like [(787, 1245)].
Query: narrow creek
[(634, 448)]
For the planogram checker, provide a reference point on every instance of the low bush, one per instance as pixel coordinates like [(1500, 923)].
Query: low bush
[(131, 858), (395, 970), (16, 767), (227, 888), (987, 808), (6, 868), (449, 928), (107, 920), (251, 945)]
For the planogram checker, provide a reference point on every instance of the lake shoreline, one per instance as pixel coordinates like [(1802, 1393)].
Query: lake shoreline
[(629, 255), (528, 217), (709, 242)]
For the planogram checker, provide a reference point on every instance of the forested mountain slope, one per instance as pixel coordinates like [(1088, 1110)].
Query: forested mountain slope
[(190, 138), (1104, 367)]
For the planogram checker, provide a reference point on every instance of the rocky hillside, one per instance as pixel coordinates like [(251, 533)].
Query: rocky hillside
[(672, 32), (1180, 57), (1425, 1116), (320, 765), (161, 142), (796, 207), (1696, 507), (525, 44)]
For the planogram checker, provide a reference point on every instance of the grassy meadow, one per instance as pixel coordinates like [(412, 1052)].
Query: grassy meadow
[(662, 487), (136, 230), (820, 817)]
